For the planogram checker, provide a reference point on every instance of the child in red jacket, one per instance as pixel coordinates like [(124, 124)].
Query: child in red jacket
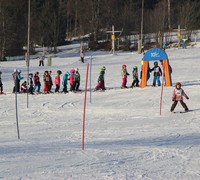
[(72, 80), (178, 94), (57, 81)]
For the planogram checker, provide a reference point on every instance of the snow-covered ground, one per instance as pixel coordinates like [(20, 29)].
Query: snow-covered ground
[(125, 135)]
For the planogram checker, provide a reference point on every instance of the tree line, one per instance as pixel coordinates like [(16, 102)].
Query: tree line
[(54, 21)]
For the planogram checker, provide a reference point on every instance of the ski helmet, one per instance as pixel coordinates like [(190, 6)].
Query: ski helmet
[(134, 67), (72, 71), (103, 68), (30, 75), (155, 63)]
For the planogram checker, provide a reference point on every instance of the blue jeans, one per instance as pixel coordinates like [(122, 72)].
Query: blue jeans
[(156, 79)]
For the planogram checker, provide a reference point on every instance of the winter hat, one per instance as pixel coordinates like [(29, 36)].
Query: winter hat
[(76, 69), (124, 66), (19, 70), (72, 71)]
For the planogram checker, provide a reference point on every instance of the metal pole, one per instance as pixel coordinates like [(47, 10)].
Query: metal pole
[(16, 108), (28, 51), (84, 109), (142, 21)]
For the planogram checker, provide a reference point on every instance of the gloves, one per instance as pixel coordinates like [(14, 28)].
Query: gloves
[(173, 99), (187, 97)]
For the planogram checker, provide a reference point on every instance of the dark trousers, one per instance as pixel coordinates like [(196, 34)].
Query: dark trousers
[(77, 84), (135, 83), (30, 90), (72, 87), (41, 63), (182, 103), (57, 88), (16, 87), (82, 59), (1, 87), (65, 88)]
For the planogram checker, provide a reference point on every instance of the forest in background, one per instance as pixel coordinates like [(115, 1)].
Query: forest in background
[(54, 22)]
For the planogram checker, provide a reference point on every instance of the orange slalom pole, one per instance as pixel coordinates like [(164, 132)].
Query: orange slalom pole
[(84, 108)]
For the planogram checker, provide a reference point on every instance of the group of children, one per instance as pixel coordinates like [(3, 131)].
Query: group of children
[(178, 92), (74, 78), (34, 85)]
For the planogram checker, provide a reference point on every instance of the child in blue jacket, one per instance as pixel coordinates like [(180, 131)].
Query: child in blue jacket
[(65, 81)]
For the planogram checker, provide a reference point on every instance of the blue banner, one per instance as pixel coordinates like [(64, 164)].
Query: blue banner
[(155, 54)]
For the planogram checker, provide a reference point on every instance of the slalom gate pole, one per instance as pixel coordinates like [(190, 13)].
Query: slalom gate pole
[(161, 94), (16, 107), (90, 79), (84, 108)]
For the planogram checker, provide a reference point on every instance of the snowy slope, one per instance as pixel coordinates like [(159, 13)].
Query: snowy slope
[(125, 135)]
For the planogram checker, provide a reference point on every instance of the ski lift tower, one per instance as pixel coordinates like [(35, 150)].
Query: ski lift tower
[(113, 37), (179, 35)]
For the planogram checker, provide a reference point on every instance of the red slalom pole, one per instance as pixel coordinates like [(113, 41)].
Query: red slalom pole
[(161, 94), (84, 108)]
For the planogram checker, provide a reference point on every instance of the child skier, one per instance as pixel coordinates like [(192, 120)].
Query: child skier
[(1, 84), (46, 79), (37, 84), (101, 82), (30, 90), (157, 73), (72, 80), (82, 55), (135, 77), (124, 74), (77, 79), (178, 94), (65, 81), (24, 87), (50, 81), (57, 81)]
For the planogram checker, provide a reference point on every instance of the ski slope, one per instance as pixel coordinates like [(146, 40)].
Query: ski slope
[(126, 138)]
